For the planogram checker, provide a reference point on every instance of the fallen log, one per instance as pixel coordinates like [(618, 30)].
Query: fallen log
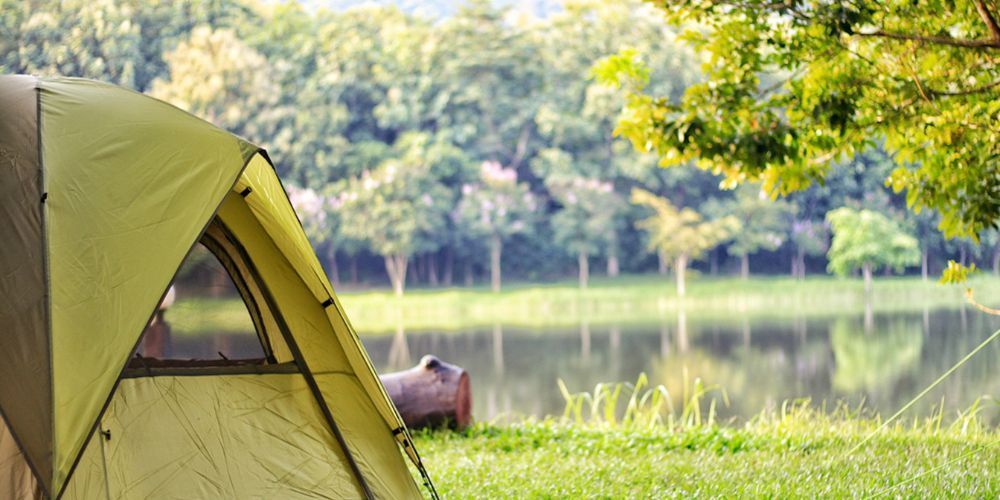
[(431, 394)]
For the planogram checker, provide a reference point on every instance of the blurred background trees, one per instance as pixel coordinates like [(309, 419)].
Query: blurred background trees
[(423, 143)]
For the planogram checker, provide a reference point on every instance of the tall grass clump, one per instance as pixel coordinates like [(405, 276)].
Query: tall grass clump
[(642, 405)]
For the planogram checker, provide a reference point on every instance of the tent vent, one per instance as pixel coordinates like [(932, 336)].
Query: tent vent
[(246, 192), (327, 303)]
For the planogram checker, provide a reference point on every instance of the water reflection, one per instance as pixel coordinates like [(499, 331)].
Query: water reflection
[(881, 359), (875, 363)]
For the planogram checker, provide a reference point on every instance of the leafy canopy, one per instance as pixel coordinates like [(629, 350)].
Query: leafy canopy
[(677, 232), (866, 237), (789, 86)]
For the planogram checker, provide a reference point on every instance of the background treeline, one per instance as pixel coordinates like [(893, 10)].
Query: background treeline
[(442, 150)]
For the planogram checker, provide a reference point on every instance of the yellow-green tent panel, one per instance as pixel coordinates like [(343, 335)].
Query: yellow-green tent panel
[(106, 192)]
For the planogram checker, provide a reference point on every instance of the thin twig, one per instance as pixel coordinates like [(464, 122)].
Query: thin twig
[(972, 300)]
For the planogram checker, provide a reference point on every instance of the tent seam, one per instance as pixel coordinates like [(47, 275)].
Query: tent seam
[(47, 277)]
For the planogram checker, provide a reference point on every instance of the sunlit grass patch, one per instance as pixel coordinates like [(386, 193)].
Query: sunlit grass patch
[(795, 452)]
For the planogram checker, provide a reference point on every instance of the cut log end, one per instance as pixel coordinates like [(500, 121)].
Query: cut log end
[(431, 394)]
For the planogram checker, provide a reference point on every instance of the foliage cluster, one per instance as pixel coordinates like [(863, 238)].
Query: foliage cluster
[(437, 145)]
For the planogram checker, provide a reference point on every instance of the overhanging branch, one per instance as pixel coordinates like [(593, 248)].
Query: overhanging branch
[(981, 43)]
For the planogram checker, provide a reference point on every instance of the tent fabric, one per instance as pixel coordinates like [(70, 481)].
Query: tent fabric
[(121, 216), (17, 482), (27, 404), (173, 437), (275, 213), (104, 192), (323, 346)]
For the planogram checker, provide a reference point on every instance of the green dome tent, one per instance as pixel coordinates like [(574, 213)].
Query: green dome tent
[(103, 192)]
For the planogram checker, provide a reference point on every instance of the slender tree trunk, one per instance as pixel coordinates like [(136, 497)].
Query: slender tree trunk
[(613, 269), (680, 267), (432, 273), (354, 269), (923, 264), (449, 265), (661, 261), (866, 271), (583, 263), (417, 271), (795, 266), (802, 263), (331, 258), (396, 266), (469, 279), (496, 247), (744, 266), (996, 260), (713, 263), (961, 253)]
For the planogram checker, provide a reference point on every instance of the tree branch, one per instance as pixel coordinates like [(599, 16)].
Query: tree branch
[(982, 43), (973, 90), (991, 22), (521, 150)]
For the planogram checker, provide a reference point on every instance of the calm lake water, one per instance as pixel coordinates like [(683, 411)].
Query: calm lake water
[(883, 360)]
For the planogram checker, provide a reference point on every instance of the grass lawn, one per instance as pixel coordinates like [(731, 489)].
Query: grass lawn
[(798, 456), (622, 301)]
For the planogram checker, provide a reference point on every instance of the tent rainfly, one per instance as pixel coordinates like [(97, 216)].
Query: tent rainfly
[(103, 192)]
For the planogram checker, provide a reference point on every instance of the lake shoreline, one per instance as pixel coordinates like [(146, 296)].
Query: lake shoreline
[(632, 300), (624, 301)]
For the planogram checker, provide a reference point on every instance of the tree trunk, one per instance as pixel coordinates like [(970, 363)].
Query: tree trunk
[(419, 268), (802, 264), (583, 264), (661, 261), (469, 280), (496, 247), (680, 267), (331, 258), (744, 266), (395, 267), (613, 269), (996, 261), (713, 264), (431, 394), (432, 273), (449, 265), (795, 266), (866, 271), (923, 264), (354, 269)]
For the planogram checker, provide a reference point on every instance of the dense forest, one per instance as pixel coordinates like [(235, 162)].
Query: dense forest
[(440, 149)]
